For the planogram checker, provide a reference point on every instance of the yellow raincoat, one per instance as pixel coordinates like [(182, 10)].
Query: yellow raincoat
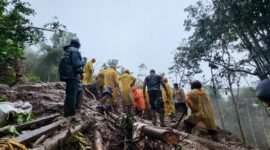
[(126, 80), (100, 78), (168, 102), (201, 109), (111, 80), (88, 72)]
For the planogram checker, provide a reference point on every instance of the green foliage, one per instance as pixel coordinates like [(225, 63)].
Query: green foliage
[(17, 31), (224, 27), (22, 117), (77, 141), (9, 130), (3, 98), (33, 78)]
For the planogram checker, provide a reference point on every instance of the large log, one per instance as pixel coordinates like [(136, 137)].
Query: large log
[(33, 135), (164, 135), (36, 122), (98, 140), (57, 141), (198, 141)]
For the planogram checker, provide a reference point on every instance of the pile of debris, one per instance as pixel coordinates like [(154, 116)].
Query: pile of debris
[(92, 130)]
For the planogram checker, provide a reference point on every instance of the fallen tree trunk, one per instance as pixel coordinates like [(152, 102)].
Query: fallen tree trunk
[(198, 141), (98, 140), (36, 122), (57, 141), (33, 135), (164, 135)]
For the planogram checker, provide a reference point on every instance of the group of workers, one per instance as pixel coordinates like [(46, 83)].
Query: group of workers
[(152, 97)]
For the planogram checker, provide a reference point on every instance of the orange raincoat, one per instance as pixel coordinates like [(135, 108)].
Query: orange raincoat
[(138, 98)]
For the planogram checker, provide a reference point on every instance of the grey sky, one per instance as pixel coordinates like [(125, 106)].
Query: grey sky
[(133, 31)]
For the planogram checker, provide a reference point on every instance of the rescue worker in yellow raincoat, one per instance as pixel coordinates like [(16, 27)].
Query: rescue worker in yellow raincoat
[(88, 71), (111, 80), (126, 82), (201, 110), (168, 101), (100, 80)]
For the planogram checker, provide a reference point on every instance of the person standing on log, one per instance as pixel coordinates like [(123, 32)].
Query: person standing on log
[(153, 83), (71, 72), (201, 110)]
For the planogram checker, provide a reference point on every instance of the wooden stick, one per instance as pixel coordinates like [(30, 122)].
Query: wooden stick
[(36, 122), (40, 140), (57, 141), (33, 135), (98, 140)]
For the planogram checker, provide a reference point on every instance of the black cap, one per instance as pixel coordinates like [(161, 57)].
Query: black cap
[(175, 85), (76, 43), (196, 84)]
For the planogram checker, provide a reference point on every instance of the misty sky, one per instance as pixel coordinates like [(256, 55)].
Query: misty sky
[(133, 31)]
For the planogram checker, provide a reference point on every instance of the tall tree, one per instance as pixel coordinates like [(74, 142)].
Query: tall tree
[(45, 65), (16, 31), (243, 26)]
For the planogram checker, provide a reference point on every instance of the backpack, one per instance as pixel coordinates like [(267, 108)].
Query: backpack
[(65, 67)]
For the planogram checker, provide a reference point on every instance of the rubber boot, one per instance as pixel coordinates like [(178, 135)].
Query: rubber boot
[(215, 138), (162, 122), (213, 134), (154, 118)]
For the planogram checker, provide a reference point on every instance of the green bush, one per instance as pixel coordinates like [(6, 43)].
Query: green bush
[(33, 78), (3, 98)]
